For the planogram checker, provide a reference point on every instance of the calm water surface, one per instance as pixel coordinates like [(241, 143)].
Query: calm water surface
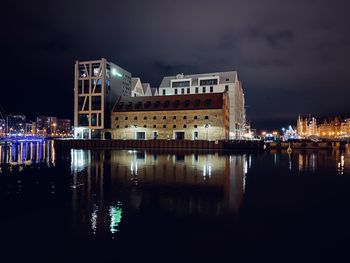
[(162, 206)]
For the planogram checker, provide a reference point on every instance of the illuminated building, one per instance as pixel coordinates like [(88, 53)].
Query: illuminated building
[(2, 127), (97, 86), (307, 126), (63, 126), (209, 83), (335, 127), (46, 125), (16, 124), (100, 85), (189, 117)]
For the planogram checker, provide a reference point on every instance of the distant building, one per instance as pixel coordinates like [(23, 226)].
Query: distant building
[(2, 127), (16, 124), (63, 126), (97, 86), (190, 117), (331, 127), (46, 125), (307, 126), (209, 83)]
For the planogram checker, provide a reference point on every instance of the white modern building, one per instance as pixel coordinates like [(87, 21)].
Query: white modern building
[(139, 89), (97, 86), (217, 82)]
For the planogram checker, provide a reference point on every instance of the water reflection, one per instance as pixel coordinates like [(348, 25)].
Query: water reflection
[(106, 183), (176, 183), (312, 161), (26, 153)]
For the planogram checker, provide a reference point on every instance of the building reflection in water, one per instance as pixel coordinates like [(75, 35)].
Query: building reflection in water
[(315, 161), (105, 183), (26, 153)]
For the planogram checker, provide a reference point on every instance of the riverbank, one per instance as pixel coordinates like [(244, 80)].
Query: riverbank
[(161, 144)]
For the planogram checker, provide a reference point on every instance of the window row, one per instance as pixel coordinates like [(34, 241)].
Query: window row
[(155, 126), (164, 118), (196, 90)]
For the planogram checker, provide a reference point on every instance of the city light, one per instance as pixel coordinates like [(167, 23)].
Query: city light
[(116, 73)]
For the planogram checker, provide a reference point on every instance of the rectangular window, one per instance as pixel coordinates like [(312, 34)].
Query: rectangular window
[(188, 91), (83, 120), (207, 82), (175, 91), (80, 86), (196, 89), (94, 119), (96, 102), (86, 86), (182, 91), (203, 89), (179, 135), (140, 135), (179, 84), (211, 89), (226, 87), (163, 91)]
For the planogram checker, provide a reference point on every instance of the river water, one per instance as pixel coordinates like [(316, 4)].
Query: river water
[(173, 206)]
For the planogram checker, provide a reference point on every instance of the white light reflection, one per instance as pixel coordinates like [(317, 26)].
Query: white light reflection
[(94, 219), (80, 159), (341, 165)]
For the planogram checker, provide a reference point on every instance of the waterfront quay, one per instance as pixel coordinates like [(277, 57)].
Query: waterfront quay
[(307, 145), (196, 144), (162, 144)]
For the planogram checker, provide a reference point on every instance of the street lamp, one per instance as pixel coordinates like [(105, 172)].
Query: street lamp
[(206, 126), (135, 127)]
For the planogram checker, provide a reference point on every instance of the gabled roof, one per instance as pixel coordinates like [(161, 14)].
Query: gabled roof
[(166, 103), (224, 77), (154, 91)]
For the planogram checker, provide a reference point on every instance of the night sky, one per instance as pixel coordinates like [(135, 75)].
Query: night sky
[(292, 56)]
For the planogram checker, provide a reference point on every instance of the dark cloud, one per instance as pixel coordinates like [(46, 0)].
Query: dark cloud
[(292, 56)]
